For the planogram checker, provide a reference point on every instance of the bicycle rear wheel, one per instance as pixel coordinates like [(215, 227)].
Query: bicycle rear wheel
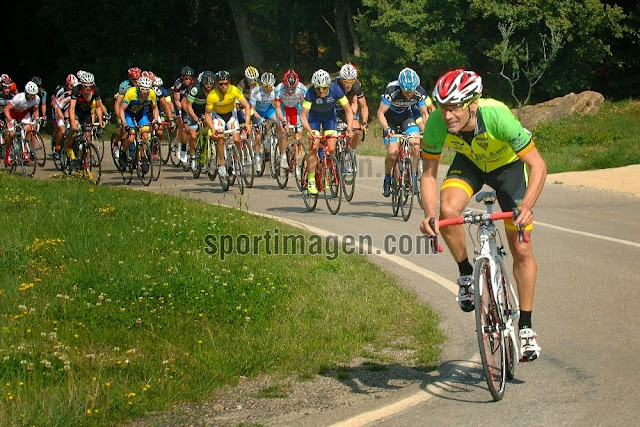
[(40, 150), (156, 157), (115, 152), (282, 175), (349, 172), (489, 330), (248, 165), (332, 176), (406, 189)]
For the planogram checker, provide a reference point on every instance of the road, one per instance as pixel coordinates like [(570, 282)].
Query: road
[(587, 243)]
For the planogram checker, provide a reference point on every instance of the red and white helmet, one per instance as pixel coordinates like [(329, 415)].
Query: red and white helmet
[(149, 74), (457, 87), (72, 80), (145, 82), (6, 80), (348, 72), (134, 73), (290, 78)]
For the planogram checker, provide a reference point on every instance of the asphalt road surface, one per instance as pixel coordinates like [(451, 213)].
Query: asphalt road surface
[(587, 242)]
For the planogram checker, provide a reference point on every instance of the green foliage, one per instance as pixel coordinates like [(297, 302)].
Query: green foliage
[(607, 139)]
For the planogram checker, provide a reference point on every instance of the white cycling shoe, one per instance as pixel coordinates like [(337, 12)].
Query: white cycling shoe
[(530, 349)]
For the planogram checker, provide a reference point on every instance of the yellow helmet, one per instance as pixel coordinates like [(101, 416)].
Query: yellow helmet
[(251, 73)]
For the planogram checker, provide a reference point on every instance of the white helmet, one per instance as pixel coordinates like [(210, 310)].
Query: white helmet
[(268, 79), (31, 88), (158, 82), (145, 83), (85, 77), (348, 72), (321, 78)]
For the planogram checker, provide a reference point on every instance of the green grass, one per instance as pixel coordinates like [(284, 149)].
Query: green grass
[(111, 308), (607, 139)]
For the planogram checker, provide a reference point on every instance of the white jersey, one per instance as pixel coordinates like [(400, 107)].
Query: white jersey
[(288, 97), (21, 103), (261, 100)]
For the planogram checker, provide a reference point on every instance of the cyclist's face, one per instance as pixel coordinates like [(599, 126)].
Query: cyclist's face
[(458, 117), (223, 86), (322, 91), (187, 80), (347, 84), (6, 89), (267, 89)]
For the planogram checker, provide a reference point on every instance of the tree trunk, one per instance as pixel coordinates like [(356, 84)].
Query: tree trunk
[(352, 29), (340, 14), (251, 50)]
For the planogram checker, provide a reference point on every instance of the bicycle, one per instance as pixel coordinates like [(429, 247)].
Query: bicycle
[(169, 132), (86, 163), (38, 143), (233, 161), (22, 155), (496, 303), (97, 136), (328, 178), (141, 155), (402, 183)]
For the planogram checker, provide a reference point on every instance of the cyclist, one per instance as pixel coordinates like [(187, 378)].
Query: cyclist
[(164, 100), (60, 107), (42, 93), (246, 85), (179, 89), (195, 108), (288, 102), (134, 73), (353, 91), (491, 148), (262, 101), (137, 102), (319, 110), (22, 107), (8, 92), (82, 97), (397, 110), (221, 114)]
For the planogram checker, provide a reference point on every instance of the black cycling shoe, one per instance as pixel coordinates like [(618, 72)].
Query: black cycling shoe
[(144, 165), (122, 161), (386, 188)]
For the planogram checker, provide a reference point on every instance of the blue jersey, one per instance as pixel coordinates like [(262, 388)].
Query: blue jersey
[(326, 105)]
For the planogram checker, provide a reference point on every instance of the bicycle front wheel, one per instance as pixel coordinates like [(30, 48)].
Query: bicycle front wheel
[(91, 166), (349, 172), (332, 176), (310, 200), (39, 150), (395, 196), (406, 189), (298, 154), (489, 331), (144, 165), (282, 174), (156, 157)]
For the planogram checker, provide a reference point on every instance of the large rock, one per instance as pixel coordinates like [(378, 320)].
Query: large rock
[(587, 102)]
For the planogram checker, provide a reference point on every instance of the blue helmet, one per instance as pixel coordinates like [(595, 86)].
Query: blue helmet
[(408, 79)]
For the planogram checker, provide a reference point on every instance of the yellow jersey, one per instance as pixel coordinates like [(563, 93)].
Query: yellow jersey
[(223, 103)]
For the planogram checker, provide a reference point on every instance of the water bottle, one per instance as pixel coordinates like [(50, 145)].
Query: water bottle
[(320, 153)]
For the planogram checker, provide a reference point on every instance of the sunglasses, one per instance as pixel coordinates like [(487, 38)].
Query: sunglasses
[(348, 82), (144, 90), (87, 86), (223, 83), (321, 87), (268, 86)]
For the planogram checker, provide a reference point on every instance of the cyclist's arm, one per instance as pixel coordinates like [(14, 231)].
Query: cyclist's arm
[(117, 105), (348, 112), (537, 176), (156, 112), (208, 116), (278, 108), (247, 110), (304, 119), (364, 110), (429, 193), (189, 109), (72, 114), (166, 106), (100, 108), (382, 109)]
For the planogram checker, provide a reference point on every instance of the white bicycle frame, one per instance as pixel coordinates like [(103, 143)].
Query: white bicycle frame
[(488, 250)]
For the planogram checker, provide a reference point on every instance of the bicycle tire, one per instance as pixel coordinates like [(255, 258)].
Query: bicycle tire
[(236, 169), (488, 330), (273, 145), (165, 144), (212, 161), (349, 172), (156, 157), (248, 166), (225, 182), (144, 154), (282, 175), (508, 303), (115, 152), (92, 164), (40, 150), (310, 200), (56, 156), (406, 189), (174, 153), (332, 186), (297, 162), (395, 200), (27, 162), (99, 144)]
